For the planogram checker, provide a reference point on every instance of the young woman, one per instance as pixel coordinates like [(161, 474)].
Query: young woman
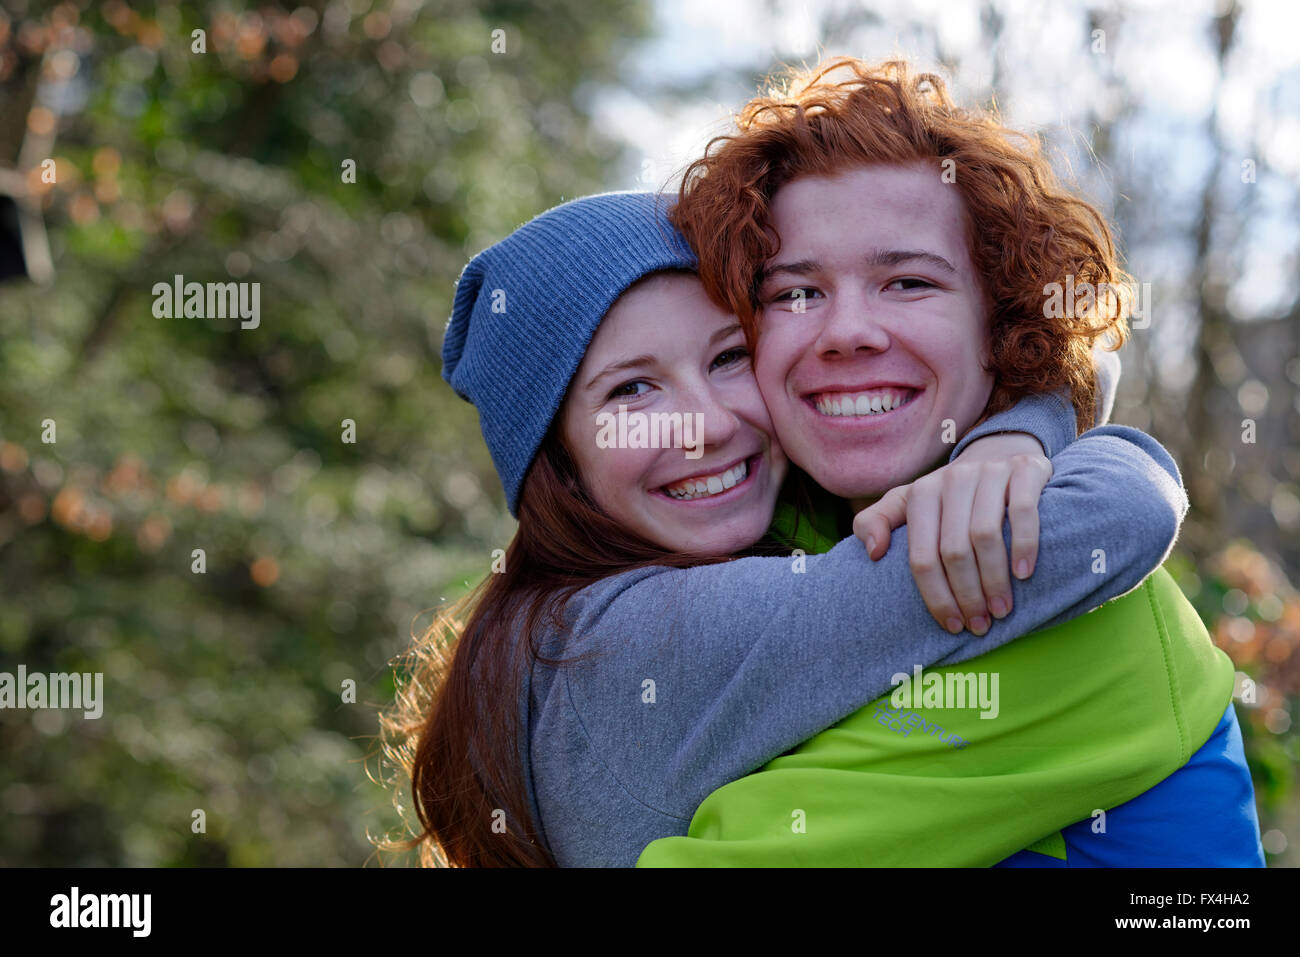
[(683, 671)]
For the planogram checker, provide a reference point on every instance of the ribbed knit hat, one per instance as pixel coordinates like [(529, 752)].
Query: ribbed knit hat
[(526, 309)]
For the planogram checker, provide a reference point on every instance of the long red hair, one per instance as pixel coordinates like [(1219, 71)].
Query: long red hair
[(1024, 231), (455, 727)]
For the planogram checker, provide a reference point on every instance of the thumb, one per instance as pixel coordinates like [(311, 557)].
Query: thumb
[(874, 524)]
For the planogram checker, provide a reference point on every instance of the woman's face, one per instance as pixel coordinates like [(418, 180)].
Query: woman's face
[(666, 424)]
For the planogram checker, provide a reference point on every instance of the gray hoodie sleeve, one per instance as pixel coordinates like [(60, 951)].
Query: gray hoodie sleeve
[(701, 675), (1050, 418), (1108, 370)]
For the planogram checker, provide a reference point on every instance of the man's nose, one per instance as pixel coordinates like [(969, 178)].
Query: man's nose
[(852, 322)]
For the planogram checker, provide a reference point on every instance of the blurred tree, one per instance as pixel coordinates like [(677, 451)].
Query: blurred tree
[(348, 157)]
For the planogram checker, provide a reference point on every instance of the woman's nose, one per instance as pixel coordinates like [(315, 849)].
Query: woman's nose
[(714, 420)]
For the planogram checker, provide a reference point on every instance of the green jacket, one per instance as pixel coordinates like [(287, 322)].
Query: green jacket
[(1092, 713)]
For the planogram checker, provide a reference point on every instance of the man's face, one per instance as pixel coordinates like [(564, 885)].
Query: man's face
[(873, 331)]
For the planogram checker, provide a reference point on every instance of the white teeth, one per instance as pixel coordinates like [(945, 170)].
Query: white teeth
[(861, 404), (708, 485)]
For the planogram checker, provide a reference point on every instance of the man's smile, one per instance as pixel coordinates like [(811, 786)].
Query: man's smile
[(870, 402)]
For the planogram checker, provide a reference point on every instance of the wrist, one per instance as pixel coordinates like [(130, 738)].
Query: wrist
[(1002, 445)]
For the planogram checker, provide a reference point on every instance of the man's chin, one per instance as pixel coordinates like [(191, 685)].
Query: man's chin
[(865, 481), (854, 488), (861, 479)]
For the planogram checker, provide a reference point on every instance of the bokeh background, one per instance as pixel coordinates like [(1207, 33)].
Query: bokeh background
[(223, 690)]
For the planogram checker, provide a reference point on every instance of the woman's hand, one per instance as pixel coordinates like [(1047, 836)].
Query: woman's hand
[(955, 515)]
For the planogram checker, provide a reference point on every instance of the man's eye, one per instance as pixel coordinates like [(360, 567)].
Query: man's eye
[(739, 354), (621, 391), (798, 294), (911, 283)]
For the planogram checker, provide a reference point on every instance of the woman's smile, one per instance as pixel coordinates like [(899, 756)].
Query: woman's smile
[(716, 487)]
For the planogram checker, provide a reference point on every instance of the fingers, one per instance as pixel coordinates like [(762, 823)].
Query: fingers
[(987, 516), (1029, 474), (924, 509), (874, 524), (956, 550)]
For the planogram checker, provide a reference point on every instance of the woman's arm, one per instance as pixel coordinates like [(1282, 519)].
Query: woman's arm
[(703, 674), (959, 562), (1049, 417), (1090, 714)]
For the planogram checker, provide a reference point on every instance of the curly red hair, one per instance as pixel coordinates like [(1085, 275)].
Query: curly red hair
[(1025, 231)]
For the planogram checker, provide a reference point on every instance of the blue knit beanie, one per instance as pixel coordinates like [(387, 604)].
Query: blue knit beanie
[(527, 307)]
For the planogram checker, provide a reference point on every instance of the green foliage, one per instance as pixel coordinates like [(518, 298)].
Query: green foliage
[(223, 690), (1253, 612)]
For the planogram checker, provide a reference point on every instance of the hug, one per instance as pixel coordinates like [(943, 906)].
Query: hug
[(905, 465)]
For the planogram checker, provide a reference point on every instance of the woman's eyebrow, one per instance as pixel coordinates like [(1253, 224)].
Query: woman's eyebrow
[(633, 363), (724, 333), (637, 362)]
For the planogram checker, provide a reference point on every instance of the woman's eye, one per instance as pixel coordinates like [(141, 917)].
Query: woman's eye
[(621, 391), (731, 356)]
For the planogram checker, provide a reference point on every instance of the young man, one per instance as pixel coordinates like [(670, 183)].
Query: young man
[(891, 257)]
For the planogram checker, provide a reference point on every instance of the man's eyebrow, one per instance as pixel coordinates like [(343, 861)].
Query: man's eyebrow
[(802, 267), (896, 257), (634, 362), (877, 257)]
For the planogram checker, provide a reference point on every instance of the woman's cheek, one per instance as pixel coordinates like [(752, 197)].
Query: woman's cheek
[(630, 476), (777, 352)]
